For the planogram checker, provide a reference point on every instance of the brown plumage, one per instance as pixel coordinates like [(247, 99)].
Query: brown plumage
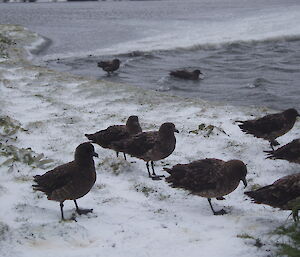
[(109, 66), (70, 181), (270, 126), (105, 138), (284, 193), (289, 152), (150, 146), (210, 178), (184, 74)]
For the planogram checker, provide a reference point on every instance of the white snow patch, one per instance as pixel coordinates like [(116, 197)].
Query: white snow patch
[(133, 215)]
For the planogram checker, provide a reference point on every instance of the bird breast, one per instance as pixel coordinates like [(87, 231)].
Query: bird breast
[(223, 187), (77, 187), (161, 150)]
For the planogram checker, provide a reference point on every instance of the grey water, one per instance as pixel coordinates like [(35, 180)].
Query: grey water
[(260, 72)]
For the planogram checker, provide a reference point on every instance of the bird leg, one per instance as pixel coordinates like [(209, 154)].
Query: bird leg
[(61, 210), (62, 214), (273, 143), (154, 176), (295, 215), (152, 166), (220, 198), (147, 165), (220, 212), (82, 211), (123, 155)]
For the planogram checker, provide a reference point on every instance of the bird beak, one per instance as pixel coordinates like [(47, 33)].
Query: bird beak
[(244, 182), (95, 154), (176, 130)]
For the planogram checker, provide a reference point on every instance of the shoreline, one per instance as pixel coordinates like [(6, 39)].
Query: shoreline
[(56, 109)]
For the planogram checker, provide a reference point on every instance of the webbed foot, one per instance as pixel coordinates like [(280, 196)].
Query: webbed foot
[(220, 212), (157, 177), (83, 211)]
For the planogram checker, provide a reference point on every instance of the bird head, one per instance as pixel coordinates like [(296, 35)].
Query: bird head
[(238, 170), (85, 151), (116, 62), (168, 128), (198, 72), (133, 125), (291, 113)]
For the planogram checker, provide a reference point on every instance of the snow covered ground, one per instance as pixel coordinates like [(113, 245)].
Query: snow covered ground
[(49, 112)]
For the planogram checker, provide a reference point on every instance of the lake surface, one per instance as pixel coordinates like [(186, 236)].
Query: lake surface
[(249, 51)]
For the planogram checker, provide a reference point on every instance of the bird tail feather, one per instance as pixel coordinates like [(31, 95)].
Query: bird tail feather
[(255, 196), (90, 136), (168, 170)]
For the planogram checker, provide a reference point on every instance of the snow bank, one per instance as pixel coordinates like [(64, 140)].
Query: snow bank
[(133, 215)]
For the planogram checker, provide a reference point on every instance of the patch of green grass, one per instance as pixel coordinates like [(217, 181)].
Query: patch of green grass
[(39, 95), (245, 236), (208, 130), (23, 178), (5, 42), (162, 197), (8, 130), (159, 211), (99, 186), (291, 245), (27, 156), (115, 166), (256, 241), (4, 229), (8, 126), (255, 187), (146, 190)]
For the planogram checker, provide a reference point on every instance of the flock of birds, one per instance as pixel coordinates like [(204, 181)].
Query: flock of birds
[(209, 178), (113, 65)]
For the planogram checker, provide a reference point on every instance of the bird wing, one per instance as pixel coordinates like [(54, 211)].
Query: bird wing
[(136, 145), (264, 125), (55, 179), (104, 64), (105, 137), (180, 74), (196, 176), (290, 151), (279, 193)]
